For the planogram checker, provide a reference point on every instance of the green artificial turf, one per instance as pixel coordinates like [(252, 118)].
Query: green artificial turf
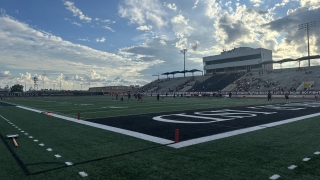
[(108, 155)]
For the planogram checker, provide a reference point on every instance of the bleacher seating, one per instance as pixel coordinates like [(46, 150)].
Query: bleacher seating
[(224, 82), (279, 79), (284, 79)]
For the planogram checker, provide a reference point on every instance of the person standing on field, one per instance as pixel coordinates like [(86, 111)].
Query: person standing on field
[(286, 95), (269, 96)]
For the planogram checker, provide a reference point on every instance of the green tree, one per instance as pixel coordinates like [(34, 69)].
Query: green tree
[(16, 88)]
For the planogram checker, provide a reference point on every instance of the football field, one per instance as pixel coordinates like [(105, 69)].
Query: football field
[(219, 138)]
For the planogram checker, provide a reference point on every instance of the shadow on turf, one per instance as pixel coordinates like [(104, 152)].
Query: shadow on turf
[(15, 156), (94, 160)]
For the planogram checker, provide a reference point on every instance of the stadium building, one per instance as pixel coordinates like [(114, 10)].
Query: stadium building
[(238, 59)]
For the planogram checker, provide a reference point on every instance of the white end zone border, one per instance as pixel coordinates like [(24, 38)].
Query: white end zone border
[(109, 128), (183, 143), (236, 132)]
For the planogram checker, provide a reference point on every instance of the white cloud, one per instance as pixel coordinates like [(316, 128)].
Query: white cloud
[(144, 28), (212, 8), (180, 26), (76, 12), (31, 50), (311, 4), (162, 42), (142, 12), (256, 1), (78, 24), (195, 4), (4, 74), (83, 39), (106, 21), (108, 28), (93, 76), (172, 6), (101, 39)]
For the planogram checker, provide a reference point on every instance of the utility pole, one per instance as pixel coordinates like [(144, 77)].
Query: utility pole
[(60, 81), (306, 27), (43, 77), (183, 51)]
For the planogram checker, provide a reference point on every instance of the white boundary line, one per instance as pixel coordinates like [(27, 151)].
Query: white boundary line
[(183, 143), (109, 128), (236, 132), (34, 110)]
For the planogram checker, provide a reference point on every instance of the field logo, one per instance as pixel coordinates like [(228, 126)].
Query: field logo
[(229, 114), (209, 116)]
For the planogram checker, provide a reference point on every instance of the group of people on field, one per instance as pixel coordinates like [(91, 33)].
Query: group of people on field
[(286, 95)]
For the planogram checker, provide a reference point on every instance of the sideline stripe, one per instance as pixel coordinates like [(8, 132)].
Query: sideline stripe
[(214, 137), (109, 128), (236, 132), (34, 110)]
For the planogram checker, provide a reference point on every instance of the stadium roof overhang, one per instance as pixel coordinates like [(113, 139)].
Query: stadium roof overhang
[(308, 57), (186, 71), (289, 59)]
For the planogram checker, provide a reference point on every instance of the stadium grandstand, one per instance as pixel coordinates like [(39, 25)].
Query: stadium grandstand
[(244, 70)]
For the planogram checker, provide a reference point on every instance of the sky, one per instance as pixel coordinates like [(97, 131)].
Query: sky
[(80, 44)]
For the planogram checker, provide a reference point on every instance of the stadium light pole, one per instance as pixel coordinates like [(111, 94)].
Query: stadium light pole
[(306, 27), (183, 51), (81, 86)]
